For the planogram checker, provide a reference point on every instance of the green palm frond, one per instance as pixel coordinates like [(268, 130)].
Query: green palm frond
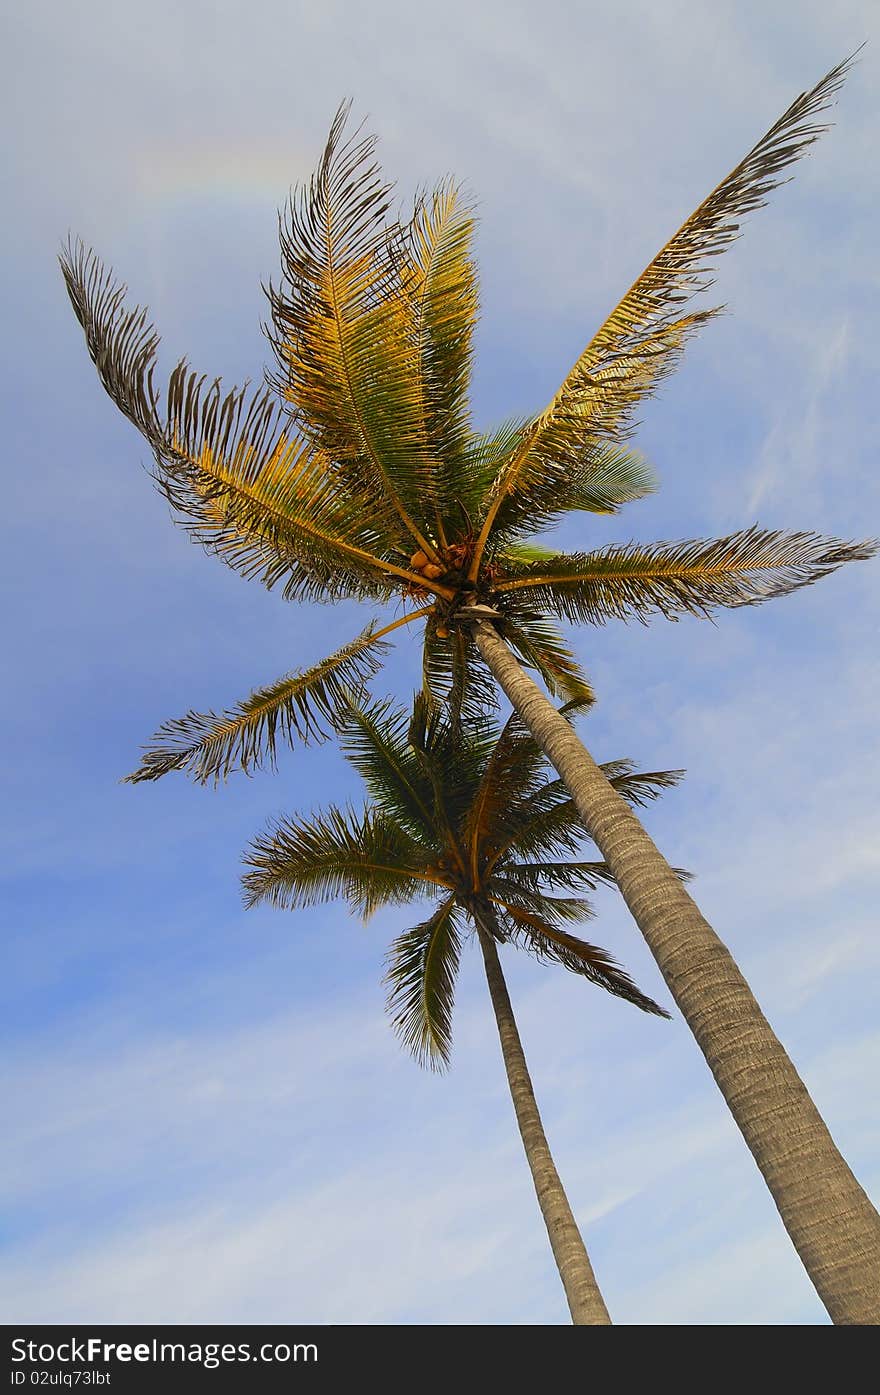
[(548, 824), (453, 761), (557, 911), (545, 826), (486, 456), (455, 676), (640, 342), (461, 810), (517, 554), (607, 477), (640, 580), (343, 334), (514, 789), (541, 647), (552, 945), (639, 787), (298, 708), (574, 876), (375, 739), (368, 859), (513, 774), (422, 969)]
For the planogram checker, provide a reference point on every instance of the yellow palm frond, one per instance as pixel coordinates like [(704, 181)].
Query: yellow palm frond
[(347, 363), (272, 499), (641, 340), (263, 498), (439, 280)]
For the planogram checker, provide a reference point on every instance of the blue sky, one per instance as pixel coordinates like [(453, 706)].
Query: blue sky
[(207, 1115)]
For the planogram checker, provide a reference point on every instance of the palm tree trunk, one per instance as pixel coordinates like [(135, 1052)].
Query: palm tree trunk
[(828, 1216), (584, 1298)]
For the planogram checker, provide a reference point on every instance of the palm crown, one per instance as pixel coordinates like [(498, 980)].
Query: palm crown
[(356, 471), (469, 817)]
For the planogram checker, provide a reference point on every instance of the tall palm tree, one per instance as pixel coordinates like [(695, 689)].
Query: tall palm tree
[(474, 820), (356, 473)]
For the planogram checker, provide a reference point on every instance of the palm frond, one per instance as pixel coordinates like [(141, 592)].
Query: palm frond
[(421, 973), (453, 761), (541, 647), (122, 343), (521, 553), (487, 454), (454, 675), (297, 708), (640, 580), (246, 486), (272, 508), (439, 278), (606, 477), (375, 739), (640, 342), (348, 361), (574, 876), (639, 787), (514, 790), (556, 911), (513, 773), (548, 825), (552, 945), (368, 859)]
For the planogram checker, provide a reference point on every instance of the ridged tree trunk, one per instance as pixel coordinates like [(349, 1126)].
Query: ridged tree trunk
[(831, 1222), (584, 1298)]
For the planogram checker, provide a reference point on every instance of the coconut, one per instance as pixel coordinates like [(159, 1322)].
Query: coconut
[(432, 571), (418, 560)]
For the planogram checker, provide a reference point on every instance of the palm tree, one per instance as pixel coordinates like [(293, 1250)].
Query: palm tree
[(357, 473), (473, 820)]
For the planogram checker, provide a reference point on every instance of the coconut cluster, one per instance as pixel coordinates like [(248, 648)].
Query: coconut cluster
[(452, 564), (420, 562), (453, 559)]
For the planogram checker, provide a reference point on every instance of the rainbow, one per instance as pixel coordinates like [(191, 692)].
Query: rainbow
[(244, 173)]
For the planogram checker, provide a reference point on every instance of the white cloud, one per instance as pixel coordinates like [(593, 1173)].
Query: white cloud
[(304, 1171)]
